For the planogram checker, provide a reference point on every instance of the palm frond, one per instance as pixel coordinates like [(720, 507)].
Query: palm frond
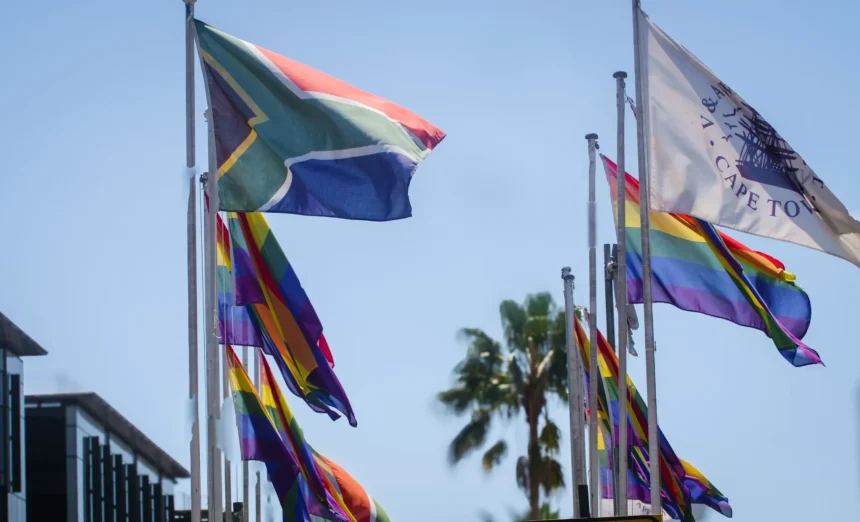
[(523, 473), (550, 437), (544, 364), (539, 305), (551, 475), (494, 455), (514, 320), (458, 400), (471, 437)]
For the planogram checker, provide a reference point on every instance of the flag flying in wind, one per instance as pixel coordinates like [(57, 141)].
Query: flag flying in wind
[(676, 480), (293, 329), (292, 139), (712, 156), (698, 275), (323, 474), (788, 345), (293, 437), (260, 441), (271, 323), (234, 324)]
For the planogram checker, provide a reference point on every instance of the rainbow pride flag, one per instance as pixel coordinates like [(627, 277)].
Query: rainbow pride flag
[(361, 505), (292, 435), (235, 325), (260, 441), (698, 269), (676, 480), (293, 333), (323, 475), (251, 324), (292, 139)]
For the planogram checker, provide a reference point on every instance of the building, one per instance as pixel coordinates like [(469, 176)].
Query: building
[(87, 463), (14, 345)]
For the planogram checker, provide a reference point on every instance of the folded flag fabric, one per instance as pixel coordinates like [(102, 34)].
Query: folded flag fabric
[(696, 268), (362, 506), (260, 441), (675, 478), (252, 324), (293, 329), (292, 139), (322, 472), (294, 438), (793, 349), (234, 324)]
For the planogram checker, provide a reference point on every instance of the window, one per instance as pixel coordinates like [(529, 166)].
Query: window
[(121, 489), (147, 500), (94, 485), (133, 493), (107, 474)]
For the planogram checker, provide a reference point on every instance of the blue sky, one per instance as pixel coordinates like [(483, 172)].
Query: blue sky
[(92, 209)]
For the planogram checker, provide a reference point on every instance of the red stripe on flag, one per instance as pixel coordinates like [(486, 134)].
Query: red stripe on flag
[(309, 79)]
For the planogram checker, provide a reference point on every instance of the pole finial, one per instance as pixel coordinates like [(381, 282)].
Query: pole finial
[(591, 136), (619, 74), (565, 273)]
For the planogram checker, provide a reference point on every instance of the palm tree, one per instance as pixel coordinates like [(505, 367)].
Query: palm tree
[(495, 383)]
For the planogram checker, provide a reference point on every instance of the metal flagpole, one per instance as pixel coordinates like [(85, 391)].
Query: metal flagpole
[(594, 372), (257, 377), (608, 289), (190, 162), (192, 350), (246, 480), (210, 309), (609, 251), (645, 218), (228, 493), (574, 375), (621, 282)]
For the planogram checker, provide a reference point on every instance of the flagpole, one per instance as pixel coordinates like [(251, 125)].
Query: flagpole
[(647, 300), (594, 470), (609, 298), (246, 480), (258, 355), (621, 281), (574, 372), (190, 162), (228, 492), (210, 311)]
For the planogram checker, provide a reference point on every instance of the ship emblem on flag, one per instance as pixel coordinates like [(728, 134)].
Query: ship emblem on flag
[(713, 156)]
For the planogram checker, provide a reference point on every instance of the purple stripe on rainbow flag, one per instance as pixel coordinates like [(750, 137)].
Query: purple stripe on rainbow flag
[(697, 268), (673, 286), (794, 350)]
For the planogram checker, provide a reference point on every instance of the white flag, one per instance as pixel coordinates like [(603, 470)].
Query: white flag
[(713, 156)]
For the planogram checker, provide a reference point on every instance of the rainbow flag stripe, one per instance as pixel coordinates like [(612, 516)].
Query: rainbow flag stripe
[(234, 323), (339, 487), (260, 441), (698, 269), (292, 336), (788, 345), (678, 480), (361, 505), (292, 435), (292, 139)]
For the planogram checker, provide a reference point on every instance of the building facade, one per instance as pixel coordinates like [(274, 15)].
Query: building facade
[(86, 463), (14, 346)]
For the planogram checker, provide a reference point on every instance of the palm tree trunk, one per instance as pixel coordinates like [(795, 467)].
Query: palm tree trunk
[(534, 465)]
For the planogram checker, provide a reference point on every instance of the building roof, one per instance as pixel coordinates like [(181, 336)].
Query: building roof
[(15, 340), (117, 425)]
